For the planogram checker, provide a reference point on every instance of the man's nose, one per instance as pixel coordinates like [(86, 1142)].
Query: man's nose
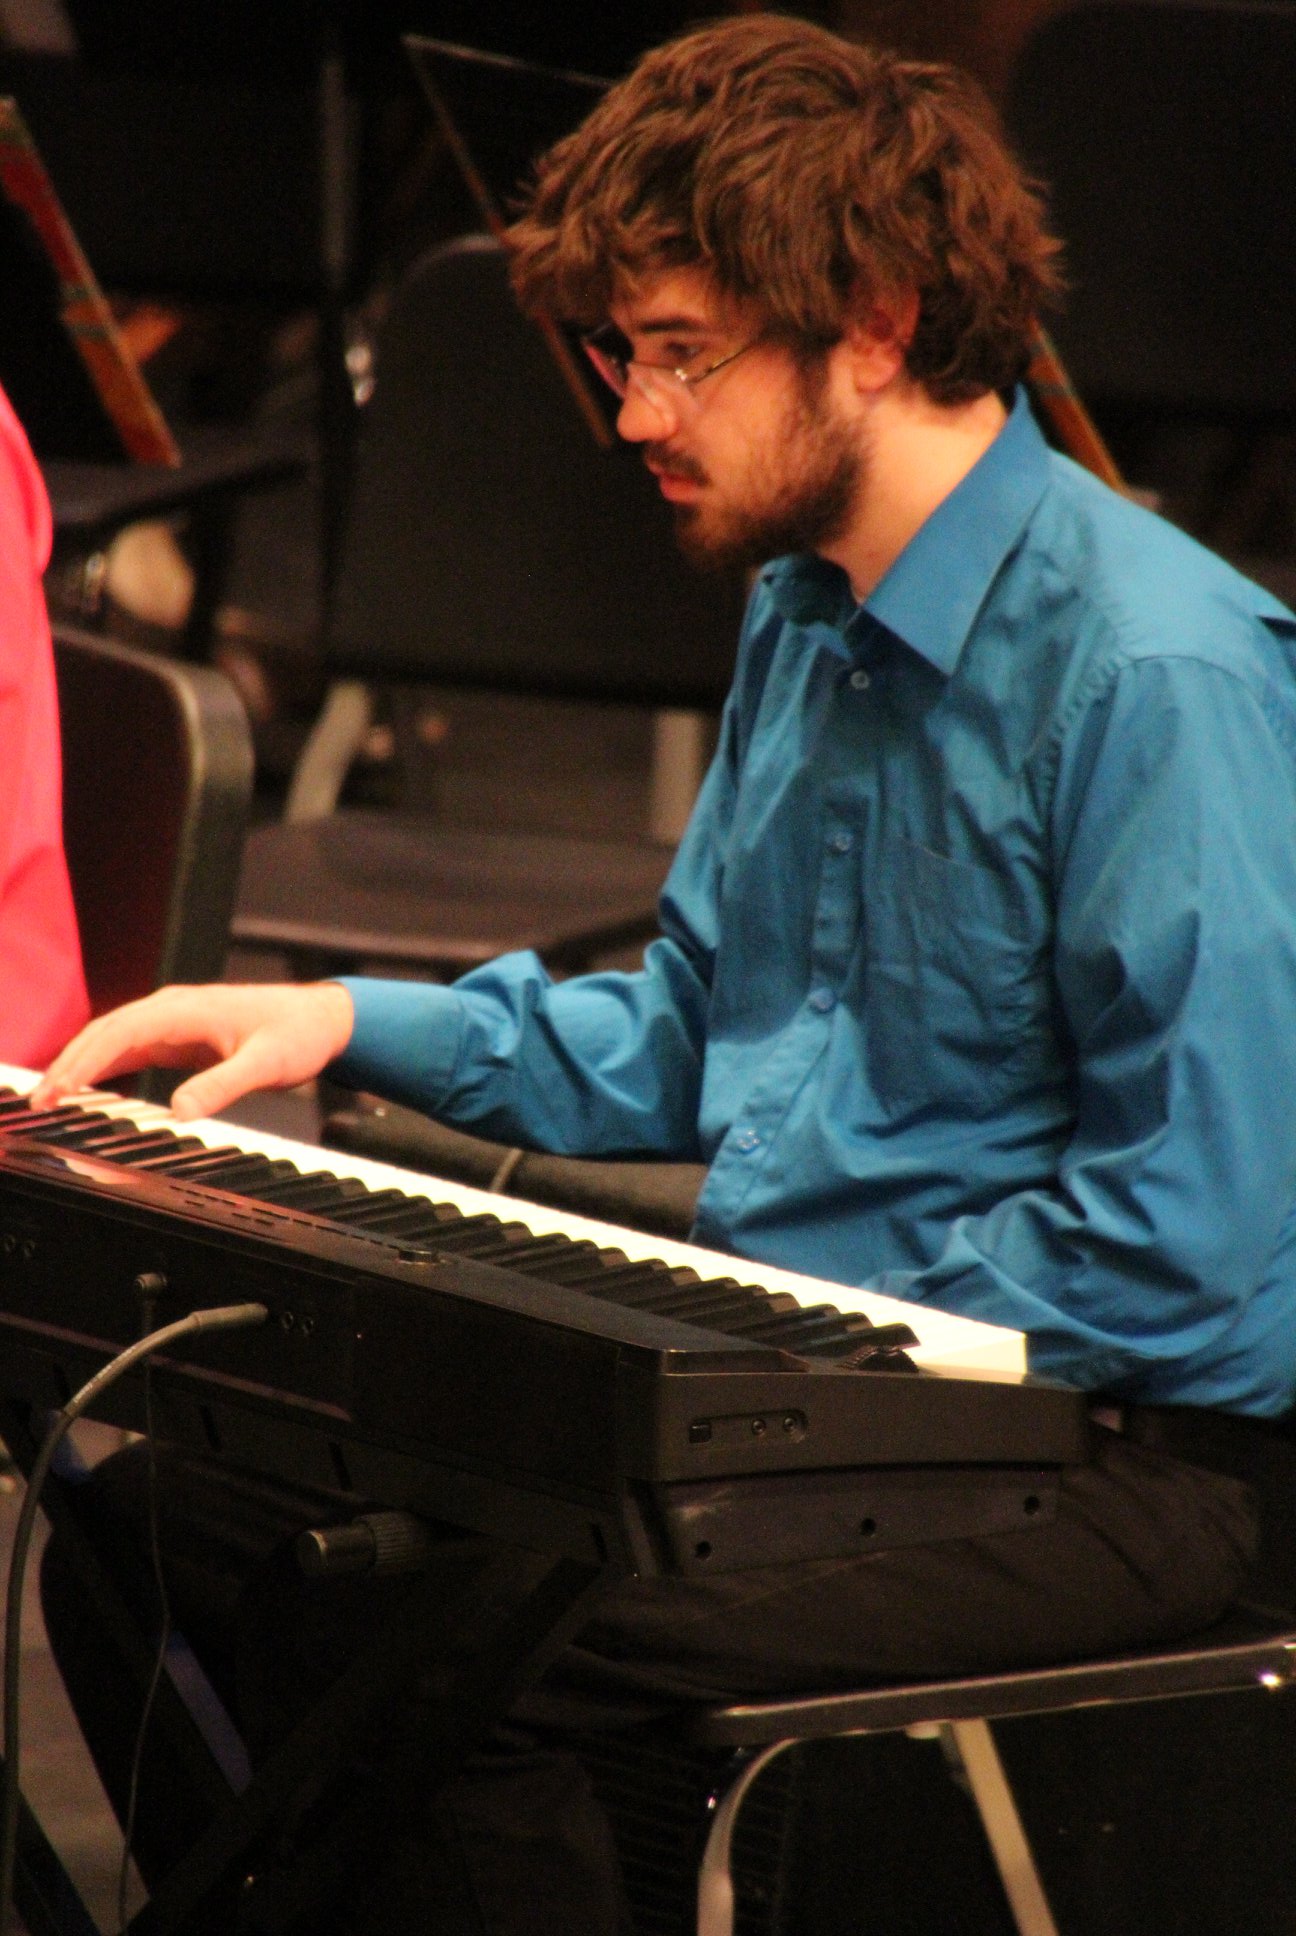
[(643, 417)]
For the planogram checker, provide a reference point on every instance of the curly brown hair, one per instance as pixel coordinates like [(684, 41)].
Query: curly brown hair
[(809, 176)]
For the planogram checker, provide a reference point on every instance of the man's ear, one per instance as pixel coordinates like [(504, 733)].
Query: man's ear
[(878, 338)]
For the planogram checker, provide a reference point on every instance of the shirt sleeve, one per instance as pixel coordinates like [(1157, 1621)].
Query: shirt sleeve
[(1175, 965), (599, 1065)]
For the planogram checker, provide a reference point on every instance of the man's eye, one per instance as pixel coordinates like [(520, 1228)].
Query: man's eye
[(681, 356)]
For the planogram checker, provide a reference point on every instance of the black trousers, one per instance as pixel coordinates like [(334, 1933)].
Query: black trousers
[(1144, 1547)]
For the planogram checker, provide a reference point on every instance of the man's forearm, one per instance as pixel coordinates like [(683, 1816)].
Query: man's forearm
[(600, 1065)]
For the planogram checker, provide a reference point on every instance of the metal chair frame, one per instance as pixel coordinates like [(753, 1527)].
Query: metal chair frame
[(1250, 1648)]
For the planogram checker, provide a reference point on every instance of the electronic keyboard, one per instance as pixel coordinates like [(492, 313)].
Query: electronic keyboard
[(563, 1384)]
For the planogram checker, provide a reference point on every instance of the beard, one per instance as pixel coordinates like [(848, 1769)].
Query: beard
[(798, 496)]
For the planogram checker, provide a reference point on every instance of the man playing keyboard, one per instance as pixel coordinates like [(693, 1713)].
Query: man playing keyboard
[(977, 977)]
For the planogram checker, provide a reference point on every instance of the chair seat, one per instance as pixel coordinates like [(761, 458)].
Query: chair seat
[(368, 886), (1246, 1649), (93, 499)]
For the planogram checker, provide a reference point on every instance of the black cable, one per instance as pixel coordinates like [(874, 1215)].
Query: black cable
[(224, 1317)]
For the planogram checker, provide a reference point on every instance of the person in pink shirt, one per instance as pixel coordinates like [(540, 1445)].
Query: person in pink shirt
[(42, 988)]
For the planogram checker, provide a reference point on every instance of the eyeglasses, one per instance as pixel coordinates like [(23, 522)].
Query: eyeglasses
[(666, 389)]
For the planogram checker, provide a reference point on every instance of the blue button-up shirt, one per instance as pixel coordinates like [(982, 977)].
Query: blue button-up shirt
[(978, 977)]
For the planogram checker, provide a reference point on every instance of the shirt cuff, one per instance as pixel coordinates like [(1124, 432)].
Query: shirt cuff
[(405, 1042)]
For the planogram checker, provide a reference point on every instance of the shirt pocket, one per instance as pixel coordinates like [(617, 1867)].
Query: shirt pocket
[(957, 991)]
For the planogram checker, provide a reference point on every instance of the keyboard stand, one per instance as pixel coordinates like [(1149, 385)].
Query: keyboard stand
[(44, 1894), (512, 1612)]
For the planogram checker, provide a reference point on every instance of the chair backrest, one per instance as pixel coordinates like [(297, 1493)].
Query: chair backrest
[(490, 540), (1163, 129), (157, 778)]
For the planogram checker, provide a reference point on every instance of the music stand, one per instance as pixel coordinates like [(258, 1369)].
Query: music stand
[(104, 446)]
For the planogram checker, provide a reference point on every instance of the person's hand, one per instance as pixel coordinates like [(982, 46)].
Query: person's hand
[(258, 1036)]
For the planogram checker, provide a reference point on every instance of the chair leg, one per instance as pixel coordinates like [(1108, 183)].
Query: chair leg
[(326, 758), (970, 1745), (715, 1893), (679, 760)]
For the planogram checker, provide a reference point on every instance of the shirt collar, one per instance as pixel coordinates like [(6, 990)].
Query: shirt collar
[(932, 593)]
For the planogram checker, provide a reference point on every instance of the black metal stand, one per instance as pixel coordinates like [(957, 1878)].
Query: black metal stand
[(277, 1843)]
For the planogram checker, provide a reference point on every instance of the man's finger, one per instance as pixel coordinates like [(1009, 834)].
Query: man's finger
[(80, 1066), (250, 1067), (134, 1037)]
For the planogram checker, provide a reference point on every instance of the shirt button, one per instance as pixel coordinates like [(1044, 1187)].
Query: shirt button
[(860, 679), (841, 843), (823, 999), (746, 1140)]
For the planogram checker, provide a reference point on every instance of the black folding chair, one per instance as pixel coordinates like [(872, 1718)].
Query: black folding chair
[(1252, 1647), (157, 779), (490, 543), (1249, 1649)]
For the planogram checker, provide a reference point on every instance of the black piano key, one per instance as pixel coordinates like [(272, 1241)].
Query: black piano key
[(14, 1105), (527, 1256), (470, 1236), (638, 1286), (855, 1324), (812, 1311), (79, 1129), (764, 1304), (850, 1340), (851, 1327), (286, 1188), (99, 1124), (410, 1223), (146, 1146), (31, 1122), (367, 1205), (318, 1191), (159, 1158), (90, 1127), (201, 1165), (483, 1248), (632, 1285), (232, 1170), (720, 1303), (247, 1173), (418, 1228), (804, 1330), (417, 1222), (611, 1261), (512, 1244), (581, 1261), (391, 1212), (439, 1219), (484, 1237), (706, 1307), (113, 1144), (580, 1265), (442, 1215)]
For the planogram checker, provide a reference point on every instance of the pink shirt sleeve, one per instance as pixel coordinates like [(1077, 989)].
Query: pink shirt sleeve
[(42, 989)]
